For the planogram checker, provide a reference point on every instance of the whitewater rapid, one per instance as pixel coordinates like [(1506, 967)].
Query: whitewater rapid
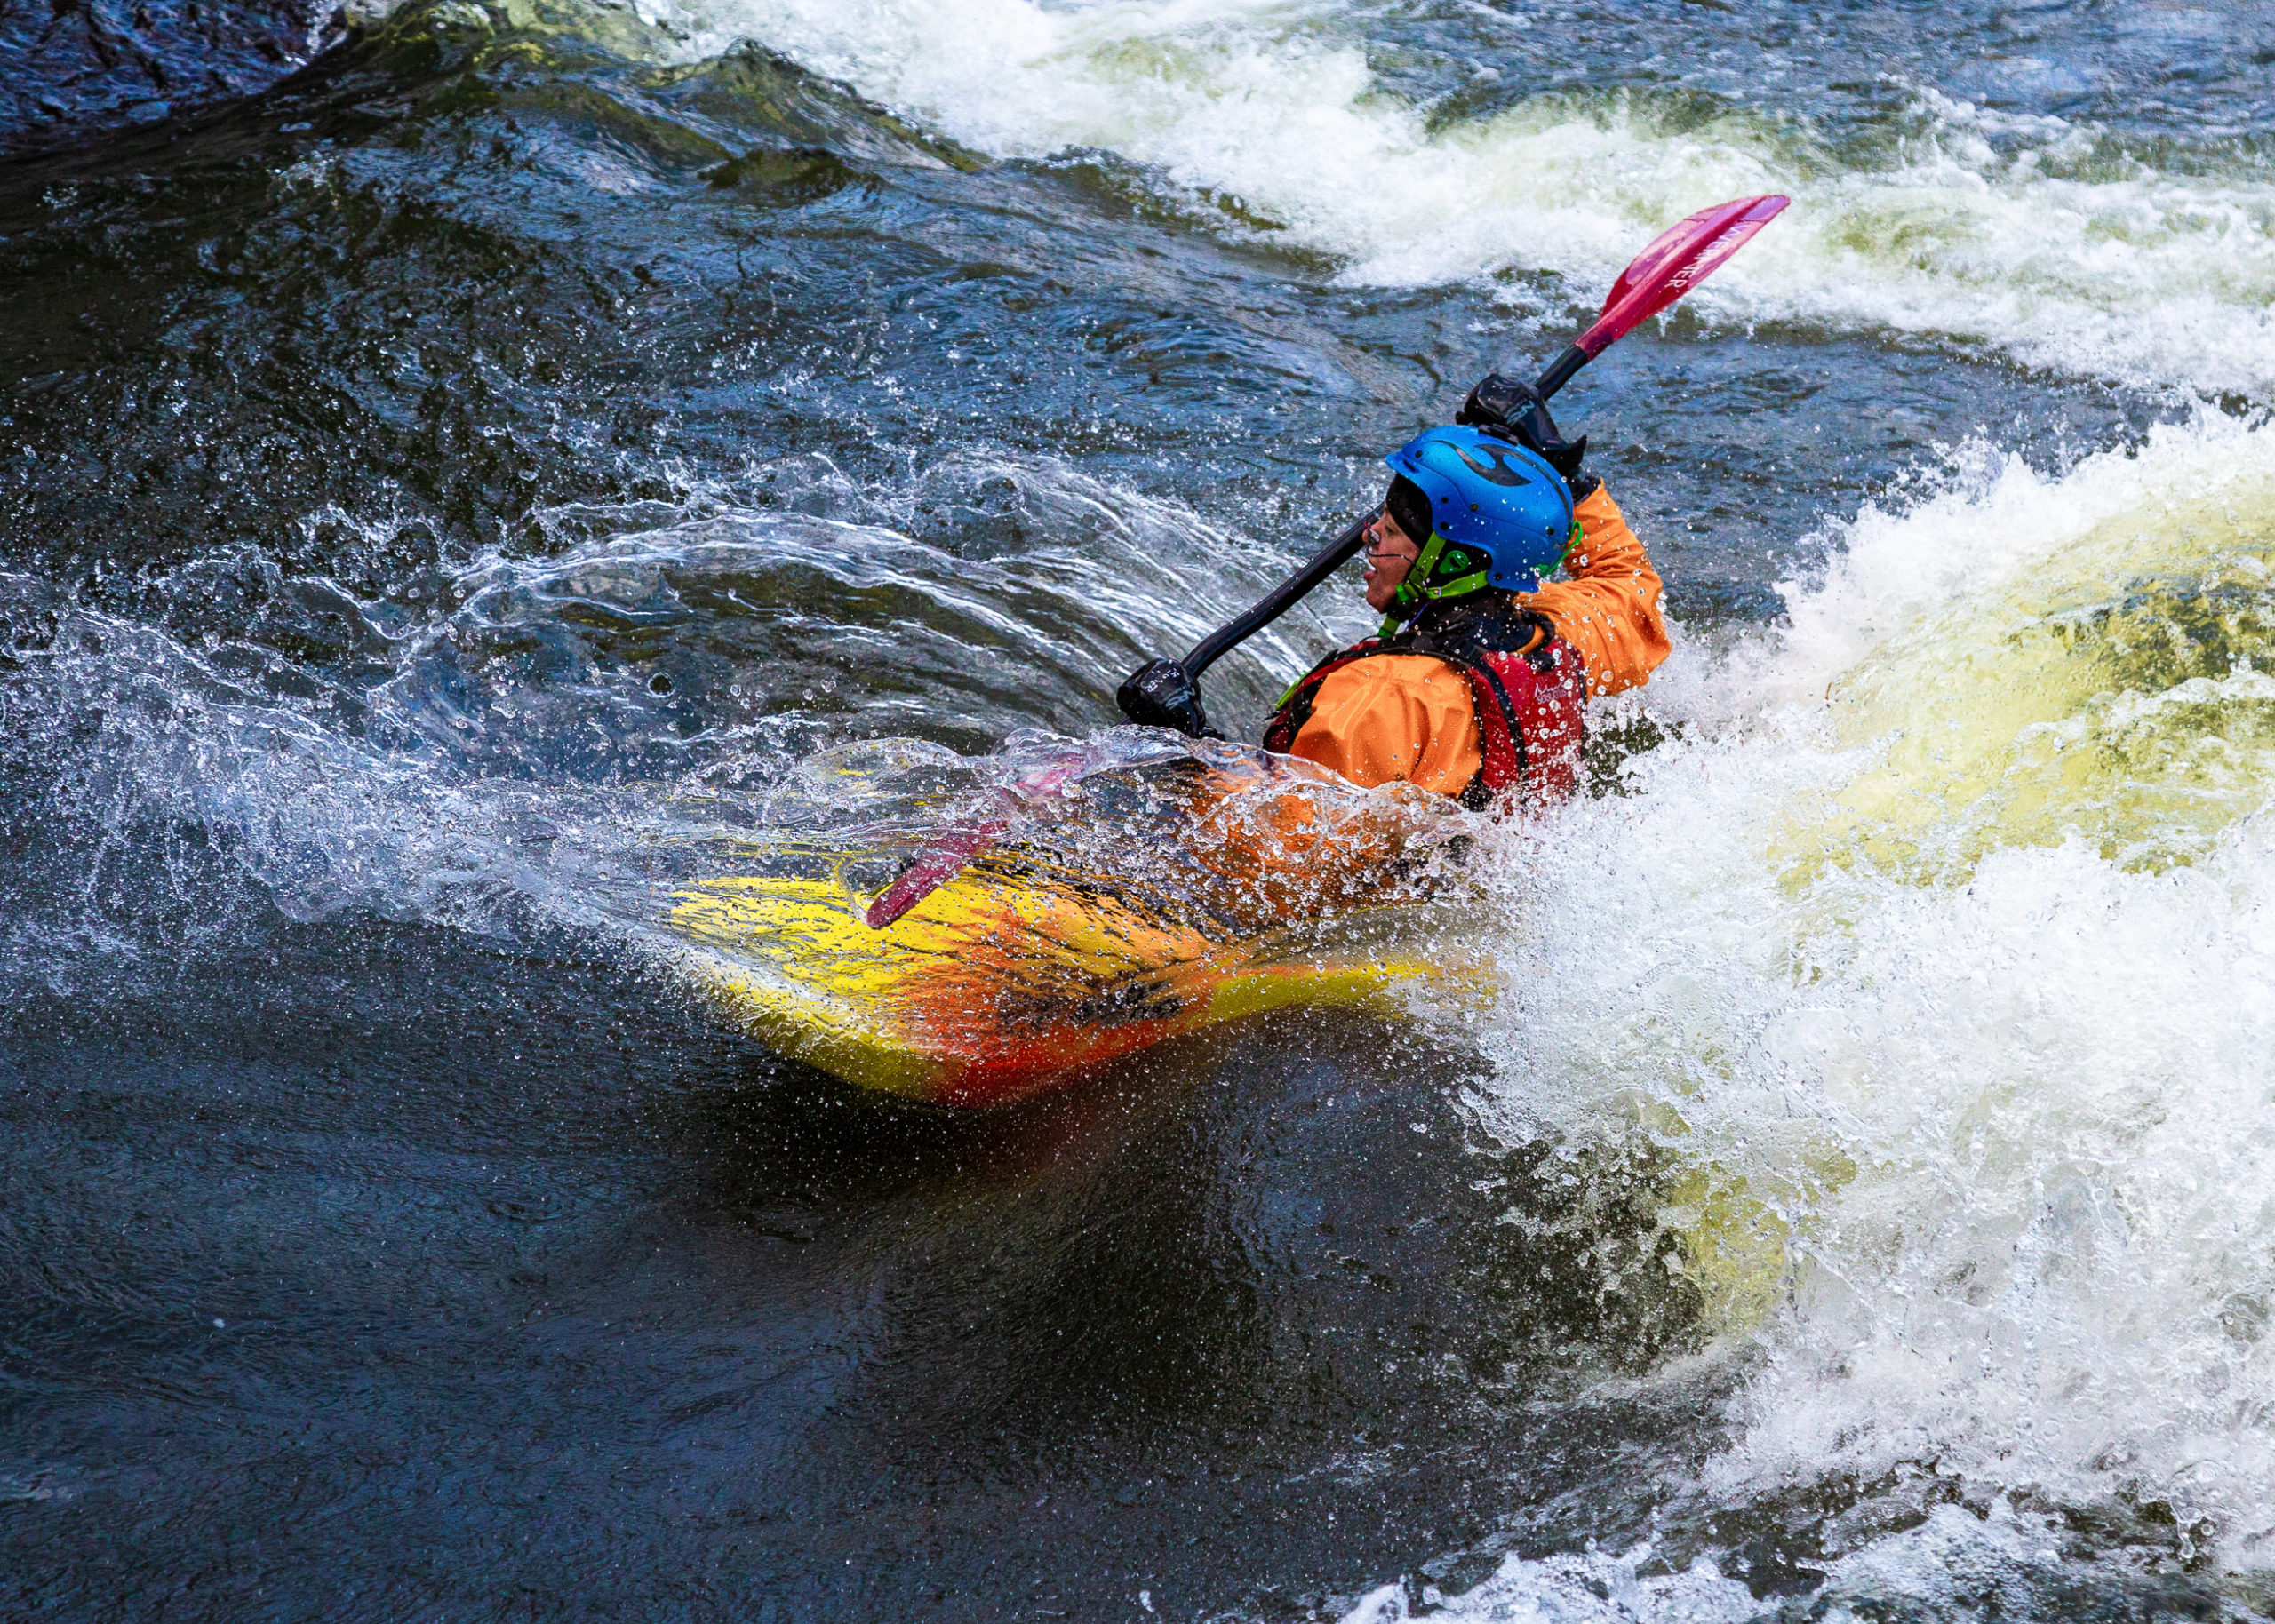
[(1941, 945), (2059, 245), (1923, 968), (1970, 1110)]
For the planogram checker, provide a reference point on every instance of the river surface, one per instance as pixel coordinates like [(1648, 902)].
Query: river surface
[(464, 467)]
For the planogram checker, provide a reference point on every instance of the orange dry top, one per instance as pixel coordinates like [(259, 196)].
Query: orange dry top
[(1409, 716), (1395, 716)]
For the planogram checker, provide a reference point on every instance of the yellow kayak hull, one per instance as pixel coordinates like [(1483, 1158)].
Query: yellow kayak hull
[(997, 986)]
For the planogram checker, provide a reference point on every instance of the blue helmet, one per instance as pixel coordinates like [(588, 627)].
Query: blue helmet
[(1500, 516)]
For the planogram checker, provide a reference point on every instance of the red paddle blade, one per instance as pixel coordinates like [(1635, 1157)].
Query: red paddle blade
[(935, 866), (955, 847), (1677, 261)]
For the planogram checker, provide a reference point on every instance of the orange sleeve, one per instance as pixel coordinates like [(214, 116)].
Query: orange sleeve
[(1608, 607), (1395, 716)]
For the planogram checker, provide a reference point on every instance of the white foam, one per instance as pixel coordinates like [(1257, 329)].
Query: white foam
[(1976, 1153), (1590, 1589), (1949, 1565), (2026, 235)]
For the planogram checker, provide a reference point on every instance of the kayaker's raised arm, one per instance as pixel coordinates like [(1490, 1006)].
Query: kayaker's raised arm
[(1608, 605)]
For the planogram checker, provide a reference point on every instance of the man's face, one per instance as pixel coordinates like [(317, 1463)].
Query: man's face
[(1390, 555)]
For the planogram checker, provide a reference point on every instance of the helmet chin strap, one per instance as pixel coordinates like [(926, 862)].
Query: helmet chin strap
[(1408, 600), (1414, 592)]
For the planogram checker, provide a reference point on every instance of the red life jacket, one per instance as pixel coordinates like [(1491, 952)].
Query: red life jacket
[(1529, 707)]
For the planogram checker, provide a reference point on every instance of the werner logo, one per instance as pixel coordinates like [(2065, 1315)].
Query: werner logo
[(1500, 472)]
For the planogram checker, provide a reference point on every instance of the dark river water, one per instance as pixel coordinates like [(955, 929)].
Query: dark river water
[(466, 467)]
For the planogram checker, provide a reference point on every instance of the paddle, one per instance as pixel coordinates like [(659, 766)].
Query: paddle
[(944, 858), (1167, 693)]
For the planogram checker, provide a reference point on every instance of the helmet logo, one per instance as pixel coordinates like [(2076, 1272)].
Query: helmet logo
[(1500, 473)]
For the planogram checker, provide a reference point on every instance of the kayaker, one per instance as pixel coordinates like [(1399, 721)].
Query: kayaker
[(1474, 685)]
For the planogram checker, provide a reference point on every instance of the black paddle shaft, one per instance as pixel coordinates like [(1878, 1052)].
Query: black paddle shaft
[(1167, 693)]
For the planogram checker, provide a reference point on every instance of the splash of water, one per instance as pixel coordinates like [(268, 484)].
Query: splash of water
[(654, 692)]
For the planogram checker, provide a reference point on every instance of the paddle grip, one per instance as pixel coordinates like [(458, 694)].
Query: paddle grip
[(1163, 694)]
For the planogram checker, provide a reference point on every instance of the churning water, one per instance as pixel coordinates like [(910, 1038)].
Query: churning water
[(519, 457)]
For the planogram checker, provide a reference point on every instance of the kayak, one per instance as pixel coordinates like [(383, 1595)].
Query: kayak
[(1014, 976)]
